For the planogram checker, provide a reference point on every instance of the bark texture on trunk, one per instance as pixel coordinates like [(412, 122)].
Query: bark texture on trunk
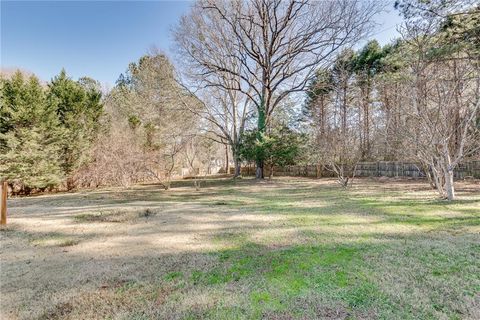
[(449, 188), (237, 167), (447, 169)]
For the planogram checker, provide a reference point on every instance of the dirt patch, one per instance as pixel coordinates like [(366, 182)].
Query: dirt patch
[(115, 215)]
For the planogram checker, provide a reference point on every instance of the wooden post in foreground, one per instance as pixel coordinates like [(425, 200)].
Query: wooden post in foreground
[(3, 202)]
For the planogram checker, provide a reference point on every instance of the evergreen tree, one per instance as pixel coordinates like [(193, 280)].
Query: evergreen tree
[(366, 64), (31, 135), (79, 107), (280, 147)]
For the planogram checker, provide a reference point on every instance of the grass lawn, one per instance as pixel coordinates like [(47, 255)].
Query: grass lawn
[(289, 248)]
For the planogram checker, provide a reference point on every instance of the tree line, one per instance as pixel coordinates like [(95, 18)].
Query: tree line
[(46, 129), (415, 99), (265, 81)]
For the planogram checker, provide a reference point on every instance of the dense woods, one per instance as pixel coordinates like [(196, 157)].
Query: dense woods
[(266, 82)]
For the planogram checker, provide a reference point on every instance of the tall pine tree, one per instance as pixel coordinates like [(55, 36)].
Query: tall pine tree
[(31, 135), (78, 105)]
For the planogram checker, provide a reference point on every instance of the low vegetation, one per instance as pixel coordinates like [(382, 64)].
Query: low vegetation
[(283, 249)]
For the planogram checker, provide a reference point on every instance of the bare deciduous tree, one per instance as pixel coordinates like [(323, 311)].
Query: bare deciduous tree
[(149, 124), (444, 103), (276, 45), (335, 120)]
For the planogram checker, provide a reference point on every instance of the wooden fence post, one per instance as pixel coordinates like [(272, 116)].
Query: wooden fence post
[(3, 202)]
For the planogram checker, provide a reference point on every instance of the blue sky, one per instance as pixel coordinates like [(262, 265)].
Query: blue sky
[(98, 38)]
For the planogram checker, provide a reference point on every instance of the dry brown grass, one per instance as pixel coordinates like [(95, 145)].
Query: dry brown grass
[(148, 253)]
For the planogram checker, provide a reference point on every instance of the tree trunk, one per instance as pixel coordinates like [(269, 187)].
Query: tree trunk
[(237, 166), (318, 171), (227, 167), (261, 130), (438, 182), (270, 176), (259, 170), (367, 118), (447, 170), (449, 188), (428, 174)]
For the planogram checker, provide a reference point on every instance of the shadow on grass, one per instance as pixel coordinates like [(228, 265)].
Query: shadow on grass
[(359, 275), (310, 281)]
